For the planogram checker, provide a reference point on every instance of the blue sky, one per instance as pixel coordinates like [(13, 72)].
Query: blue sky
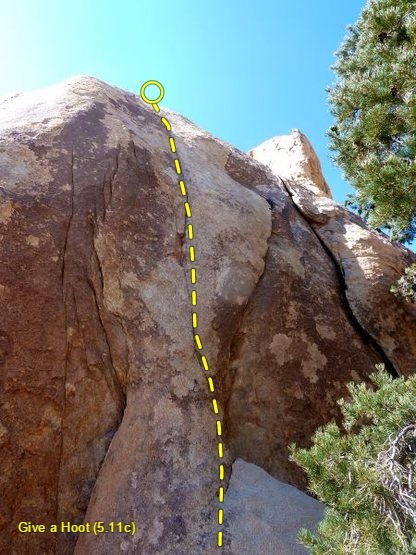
[(243, 70)]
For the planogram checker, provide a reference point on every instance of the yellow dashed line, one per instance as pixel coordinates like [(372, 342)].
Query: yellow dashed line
[(197, 338), (198, 341), (177, 166), (188, 209), (166, 124), (183, 188)]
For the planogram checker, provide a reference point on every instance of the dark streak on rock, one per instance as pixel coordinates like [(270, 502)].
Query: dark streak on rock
[(68, 228)]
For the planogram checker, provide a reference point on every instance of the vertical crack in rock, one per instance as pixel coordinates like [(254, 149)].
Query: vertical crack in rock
[(364, 334), (65, 303), (115, 381), (114, 173), (184, 243), (104, 199), (179, 249), (82, 279), (68, 227), (108, 184)]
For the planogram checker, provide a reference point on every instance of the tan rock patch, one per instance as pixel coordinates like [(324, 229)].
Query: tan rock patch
[(326, 332), (32, 241), (281, 348), (6, 211)]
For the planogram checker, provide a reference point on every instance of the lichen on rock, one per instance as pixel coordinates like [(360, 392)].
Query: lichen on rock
[(105, 411)]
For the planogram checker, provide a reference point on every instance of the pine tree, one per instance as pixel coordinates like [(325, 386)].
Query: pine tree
[(405, 287), (374, 106), (364, 471)]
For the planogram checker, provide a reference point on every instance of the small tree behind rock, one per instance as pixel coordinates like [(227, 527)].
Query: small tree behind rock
[(405, 287), (364, 471)]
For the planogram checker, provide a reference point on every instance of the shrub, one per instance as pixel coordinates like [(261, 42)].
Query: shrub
[(364, 471), (405, 287)]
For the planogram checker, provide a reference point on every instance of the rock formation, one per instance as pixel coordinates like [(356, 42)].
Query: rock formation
[(265, 515), (105, 410), (369, 263)]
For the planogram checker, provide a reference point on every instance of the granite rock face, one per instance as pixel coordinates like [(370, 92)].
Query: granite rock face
[(369, 263), (272, 513), (105, 412)]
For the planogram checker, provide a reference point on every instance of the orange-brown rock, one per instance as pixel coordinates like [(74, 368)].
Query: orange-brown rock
[(368, 261), (105, 413)]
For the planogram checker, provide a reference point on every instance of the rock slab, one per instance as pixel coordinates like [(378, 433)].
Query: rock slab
[(265, 515), (105, 413)]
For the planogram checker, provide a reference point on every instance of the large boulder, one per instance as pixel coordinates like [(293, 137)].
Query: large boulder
[(265, 515), (293, 157), (369, 263), (106, 414)]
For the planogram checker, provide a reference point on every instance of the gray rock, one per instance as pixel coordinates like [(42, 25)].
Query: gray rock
[(264, 515)]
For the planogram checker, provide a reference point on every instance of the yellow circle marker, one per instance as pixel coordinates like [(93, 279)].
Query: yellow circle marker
[(158, 85)]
